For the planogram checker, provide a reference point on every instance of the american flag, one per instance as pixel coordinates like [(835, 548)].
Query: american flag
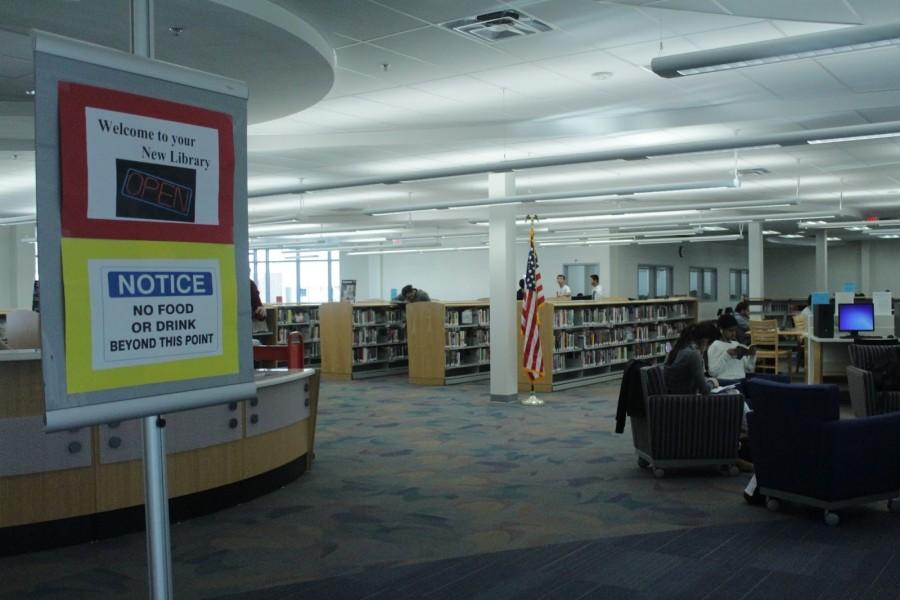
[(532, 357)]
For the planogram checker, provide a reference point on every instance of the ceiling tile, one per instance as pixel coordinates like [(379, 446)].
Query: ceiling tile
[(731, 36), (14, 67), (440, 11), (528, 79), (795, 80), (451, 50), (369, 60), (835, 11), (866, 71), (356, 19), (348, 82)]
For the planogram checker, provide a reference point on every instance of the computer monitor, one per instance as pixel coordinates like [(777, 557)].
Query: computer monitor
[(853, 318)]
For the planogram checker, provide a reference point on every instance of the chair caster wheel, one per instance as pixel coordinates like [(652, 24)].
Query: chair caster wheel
[(773, 504), (659, 473), (894, 505), (643, 463), (832, 519)]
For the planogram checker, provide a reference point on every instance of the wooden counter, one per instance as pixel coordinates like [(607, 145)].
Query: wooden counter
[(94, 470)]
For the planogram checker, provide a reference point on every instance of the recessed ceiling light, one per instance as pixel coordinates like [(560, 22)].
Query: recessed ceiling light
[(29, 92), (176, 30), (792, 236), (602, 75)]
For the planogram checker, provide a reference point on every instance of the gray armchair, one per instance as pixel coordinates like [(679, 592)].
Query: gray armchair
[(685, 430), (864, 398)]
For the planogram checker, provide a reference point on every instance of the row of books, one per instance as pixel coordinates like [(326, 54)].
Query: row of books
[(297, 314), (362, 356), (308, 336), (476, 337), (370, 316), (467, 316), (377, 336), (612, 315), (456, 358), (601, 357)]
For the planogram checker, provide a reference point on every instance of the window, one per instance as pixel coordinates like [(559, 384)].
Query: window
[(290, 276), (654, 281), (738, 284), (703, 283)]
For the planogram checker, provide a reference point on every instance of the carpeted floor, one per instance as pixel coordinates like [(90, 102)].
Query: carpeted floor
[(437, 492)]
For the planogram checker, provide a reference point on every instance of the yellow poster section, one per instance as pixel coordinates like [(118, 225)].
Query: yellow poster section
[(80, 374)]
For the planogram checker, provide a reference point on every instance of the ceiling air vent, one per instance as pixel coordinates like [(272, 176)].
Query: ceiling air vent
[(498, 26)]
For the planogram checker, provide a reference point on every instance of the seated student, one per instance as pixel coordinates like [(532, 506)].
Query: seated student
[(685, 369), (730, 361), (742, 316), (411, 294)]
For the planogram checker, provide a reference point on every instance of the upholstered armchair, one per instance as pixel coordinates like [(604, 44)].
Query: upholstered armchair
[(685, 430), (804, 453), (865, 399)]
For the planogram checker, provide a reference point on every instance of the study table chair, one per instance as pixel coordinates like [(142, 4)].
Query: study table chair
[(764, 335)]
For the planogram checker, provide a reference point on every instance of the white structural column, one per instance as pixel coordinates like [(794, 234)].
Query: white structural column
[(822, 260), (865, 267), (755, 259), (504, 278)]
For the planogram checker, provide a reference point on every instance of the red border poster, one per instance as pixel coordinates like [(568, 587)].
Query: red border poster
[(141, 168)]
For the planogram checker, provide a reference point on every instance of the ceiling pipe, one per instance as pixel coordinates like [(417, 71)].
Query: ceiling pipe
[(729, 143), (797, 47)]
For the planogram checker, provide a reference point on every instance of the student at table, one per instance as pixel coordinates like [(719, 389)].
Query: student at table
[(411, 294), (563, 291), (596, 288)]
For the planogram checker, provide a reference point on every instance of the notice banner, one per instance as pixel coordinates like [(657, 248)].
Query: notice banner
[(146, 312)]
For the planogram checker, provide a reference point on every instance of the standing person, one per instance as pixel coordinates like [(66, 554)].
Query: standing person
[(730, 361), (257, 310), (685, 369), (411, 294), (520, 293), (742, 316), (596, 288), (563, 290)]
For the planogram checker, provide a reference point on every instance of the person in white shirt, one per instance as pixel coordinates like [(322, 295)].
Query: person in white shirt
[(727, 360), (564, 290), (596, 288)]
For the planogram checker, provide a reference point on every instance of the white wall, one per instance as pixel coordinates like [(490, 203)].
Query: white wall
[(16, 266), (721, 256)]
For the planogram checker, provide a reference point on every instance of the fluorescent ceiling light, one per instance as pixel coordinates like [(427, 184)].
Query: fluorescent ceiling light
[(713, 228), (619, 217), (848, 224), (693, 240), (770, 232), (832, 239), (854, 138), (835, 41), (892, 236), (336, 234), (667, 233), (413, 250), (796, 217), (286, 226), (863, 228), (882, 232), (793, 236), (18, 220), (575, 196)]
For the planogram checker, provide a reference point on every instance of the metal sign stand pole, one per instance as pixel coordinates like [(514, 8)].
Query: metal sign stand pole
[(156, 492), (156, 508)]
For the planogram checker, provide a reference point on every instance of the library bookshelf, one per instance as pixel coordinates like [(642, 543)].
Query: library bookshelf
[(449, 342), (590, 342), (362, 340), (283, 319)]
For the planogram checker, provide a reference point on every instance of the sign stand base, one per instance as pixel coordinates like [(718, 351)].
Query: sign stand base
[(156, 508)]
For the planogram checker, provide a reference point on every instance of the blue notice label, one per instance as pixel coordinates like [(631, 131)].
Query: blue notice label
[(154, 284)]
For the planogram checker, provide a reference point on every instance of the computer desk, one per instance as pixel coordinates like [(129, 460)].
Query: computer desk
[(815, 352)]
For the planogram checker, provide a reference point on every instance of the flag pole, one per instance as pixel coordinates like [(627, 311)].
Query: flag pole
[(532, 399)]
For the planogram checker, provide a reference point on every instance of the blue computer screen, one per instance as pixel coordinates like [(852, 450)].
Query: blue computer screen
[(856, 317)]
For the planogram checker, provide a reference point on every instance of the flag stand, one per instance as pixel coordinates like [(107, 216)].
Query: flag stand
[(532, 400)]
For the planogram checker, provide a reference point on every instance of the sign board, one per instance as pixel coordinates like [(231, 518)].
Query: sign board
[(348, 290), (141, 187)]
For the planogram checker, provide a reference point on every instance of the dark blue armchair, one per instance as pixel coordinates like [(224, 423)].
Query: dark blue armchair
[(804, 453)]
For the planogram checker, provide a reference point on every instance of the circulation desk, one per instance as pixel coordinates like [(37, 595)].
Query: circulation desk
[(71, 486)]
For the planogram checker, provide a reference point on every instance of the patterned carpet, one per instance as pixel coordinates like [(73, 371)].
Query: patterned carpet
[(407, 475)]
